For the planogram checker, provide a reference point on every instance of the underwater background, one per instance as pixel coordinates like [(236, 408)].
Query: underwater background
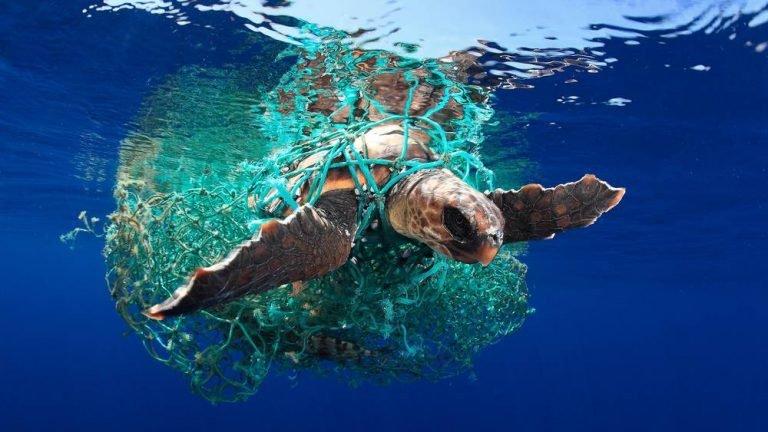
[(652, 319)]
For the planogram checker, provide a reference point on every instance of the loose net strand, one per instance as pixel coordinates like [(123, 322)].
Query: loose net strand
[(394, 312)]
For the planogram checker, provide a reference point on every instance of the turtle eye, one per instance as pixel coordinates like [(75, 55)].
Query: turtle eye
[(457, 224)]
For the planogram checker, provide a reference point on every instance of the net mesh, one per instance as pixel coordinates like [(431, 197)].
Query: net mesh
[(395, 311)]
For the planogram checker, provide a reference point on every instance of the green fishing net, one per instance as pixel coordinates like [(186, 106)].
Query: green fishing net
[(396, 311)]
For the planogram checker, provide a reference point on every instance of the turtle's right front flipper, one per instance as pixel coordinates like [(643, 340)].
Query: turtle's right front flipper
[(308, 244), (534, 212)]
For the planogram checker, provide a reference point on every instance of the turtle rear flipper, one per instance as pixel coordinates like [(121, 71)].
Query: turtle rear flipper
[(307, 244), (534, 212)]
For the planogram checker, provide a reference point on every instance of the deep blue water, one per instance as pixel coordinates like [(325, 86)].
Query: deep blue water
[(653, 319)]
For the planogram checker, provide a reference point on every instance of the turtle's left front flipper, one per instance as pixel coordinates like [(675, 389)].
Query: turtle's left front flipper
[(307, 244), (534, 212)]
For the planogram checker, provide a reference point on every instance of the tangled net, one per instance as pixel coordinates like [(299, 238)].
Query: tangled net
[(395, 311)]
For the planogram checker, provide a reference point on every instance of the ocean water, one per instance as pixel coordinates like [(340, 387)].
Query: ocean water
[(652, 319)]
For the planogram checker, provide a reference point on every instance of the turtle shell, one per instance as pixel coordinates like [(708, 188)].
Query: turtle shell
[(382, 142)]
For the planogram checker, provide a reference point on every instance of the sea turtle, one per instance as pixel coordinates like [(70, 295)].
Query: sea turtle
[(430, 206)]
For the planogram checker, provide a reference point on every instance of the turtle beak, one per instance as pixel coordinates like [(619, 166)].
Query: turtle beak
[(488, 249)]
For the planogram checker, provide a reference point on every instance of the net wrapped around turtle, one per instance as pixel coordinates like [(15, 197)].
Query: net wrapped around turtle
[(395, 311)]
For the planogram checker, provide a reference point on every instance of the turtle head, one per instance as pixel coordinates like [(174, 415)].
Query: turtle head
[(438, 209), (475, 236)]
